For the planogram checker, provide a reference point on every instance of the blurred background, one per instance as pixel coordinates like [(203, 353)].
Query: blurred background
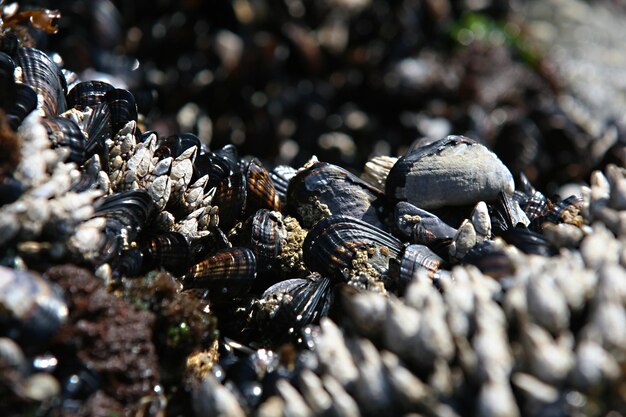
[(541, 82)]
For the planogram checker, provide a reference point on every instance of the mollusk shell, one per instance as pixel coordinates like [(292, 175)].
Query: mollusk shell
[(420, 226), (45, 77), (449, 172), (88, 93), (32, 308), (229, 272), (416, 259), (334, 243), (324, 189), (290, 305)]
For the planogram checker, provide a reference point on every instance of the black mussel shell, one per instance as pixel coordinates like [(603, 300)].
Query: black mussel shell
[(168, 250), (98, 129), (122, 107), (45, 77), (205, 246), (218, 165), (25, 102), (331, 245), (528, 241), (323, 189), (128, 212), (420, 226), (31, 308), (505, 214), (174, 145), (129, 263), (288, 306), (415, 259), (88, 94), (64, 132), (491, 260), (243, 193), (17, 100), (10, 190), (228, 273), (89, 175), (71, 80), (230, 197)]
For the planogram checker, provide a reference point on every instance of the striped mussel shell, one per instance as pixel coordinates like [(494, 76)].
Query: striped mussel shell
[(266, 235), (229, 272), (126, 213), (531, 201), (45, 78), (287, 307), (17, 100), (323, 189), (415, 260), (243, 193), (65, 132), (261, 191), (31, 308), (276, 241), (168, 250), (281, 175), (230, 197), (341, 247)]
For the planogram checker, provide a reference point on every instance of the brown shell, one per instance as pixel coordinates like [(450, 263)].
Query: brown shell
[(230, 272), (261, 191)]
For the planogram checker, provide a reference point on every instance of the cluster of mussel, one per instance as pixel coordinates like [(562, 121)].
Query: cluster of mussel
[(271, 249)]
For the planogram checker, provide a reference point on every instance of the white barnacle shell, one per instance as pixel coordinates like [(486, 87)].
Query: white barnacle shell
[(182, 170), (481, 221), (333, 354)]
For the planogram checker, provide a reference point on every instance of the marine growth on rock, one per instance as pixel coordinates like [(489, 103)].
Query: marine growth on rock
[(146, 270)]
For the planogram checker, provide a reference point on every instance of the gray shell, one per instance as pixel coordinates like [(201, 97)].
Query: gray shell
[(449, 172)]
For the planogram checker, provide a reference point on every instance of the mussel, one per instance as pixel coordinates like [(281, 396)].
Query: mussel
[(414, 260), (287, 307), (45, 77), (343, 247), (449, 172), (243, 193), (324, 189), (31, 309), (228, 273)]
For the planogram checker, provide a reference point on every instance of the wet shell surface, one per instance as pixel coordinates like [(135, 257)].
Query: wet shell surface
[(449, 294), (349, 249), (323, 189), (449, 172)]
